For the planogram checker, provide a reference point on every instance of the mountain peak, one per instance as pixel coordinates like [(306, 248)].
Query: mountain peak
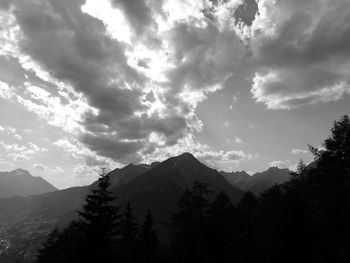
[(20, 171), (186, 156), (20, 182)]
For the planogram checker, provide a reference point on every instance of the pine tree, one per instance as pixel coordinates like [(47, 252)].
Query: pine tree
[(128, 244), (99, 221), (148, 240), (62, 246), (188, 226), (329, 190), (223, 230)]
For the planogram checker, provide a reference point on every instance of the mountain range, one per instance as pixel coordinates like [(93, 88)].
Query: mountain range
[(20, 182), (26, 220), (258, 182)]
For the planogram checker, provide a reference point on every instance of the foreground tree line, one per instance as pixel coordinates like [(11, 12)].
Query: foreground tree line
[(304, 220)]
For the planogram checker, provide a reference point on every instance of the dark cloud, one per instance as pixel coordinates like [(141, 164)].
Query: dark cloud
[(137, 12), (246, 12), (74, 47), (205, 56), (130, 112), (111, 146)]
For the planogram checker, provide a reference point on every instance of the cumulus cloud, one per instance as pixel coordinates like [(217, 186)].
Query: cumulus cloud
[(11, 131), (280, 163), (127, 89), (299, 151), (301, 51), (124, 78), (22, 152)]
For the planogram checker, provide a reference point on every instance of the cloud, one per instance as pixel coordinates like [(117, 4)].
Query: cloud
[(222, 159), (18, 157), (280, 164), (84, 171), (238, 140), (299, 151), (301, 49), (11, 131), (137, 12), (42, 167), (22, 152), (80, 70)]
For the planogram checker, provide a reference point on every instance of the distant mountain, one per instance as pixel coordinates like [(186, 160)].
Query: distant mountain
[(258, 182), (20, 182), (238, 179), (157, 186)]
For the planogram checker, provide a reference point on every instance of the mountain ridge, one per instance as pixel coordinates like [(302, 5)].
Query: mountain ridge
[(20, 182), (258, 182), (156, 187)]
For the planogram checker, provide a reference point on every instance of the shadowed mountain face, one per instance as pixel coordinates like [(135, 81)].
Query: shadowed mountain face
[(27, 220), (20, 182), (258, 182), (121, 176), (160, 187)]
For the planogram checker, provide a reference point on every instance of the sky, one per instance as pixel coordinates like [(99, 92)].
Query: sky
[(241, 84)]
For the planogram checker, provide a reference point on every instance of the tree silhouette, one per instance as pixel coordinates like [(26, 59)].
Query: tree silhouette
[(246, 209), (187, 226), (99, 220), (148, 240), (223, 230), (128, 244), (304, 220), (91, 238), (329, 189), (62, 246)]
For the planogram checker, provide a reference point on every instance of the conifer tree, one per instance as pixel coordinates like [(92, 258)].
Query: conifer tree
[(99, 221), (188, 225), (91, 238), (223, 226), (148, 240), (329, 188), (128, 244)]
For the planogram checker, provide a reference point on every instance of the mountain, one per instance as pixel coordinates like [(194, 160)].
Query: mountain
[(258, 182), (238, 179), (28, 220), (121, 176), (20, 182), (159, 188)]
